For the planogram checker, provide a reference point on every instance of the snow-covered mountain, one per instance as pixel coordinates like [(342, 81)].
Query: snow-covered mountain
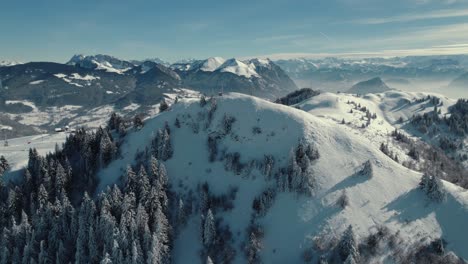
[(101, 62), (374, 85), (155, 60), (257, 76), (89, 83), (240, 68), (263, 182), (4, 63)]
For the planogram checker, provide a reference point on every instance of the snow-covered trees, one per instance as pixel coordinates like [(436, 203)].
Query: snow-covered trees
[(227, 123), (433, 187), (4, 166), (298, 176), (202, 100), (138, 122), (254, 244), (386, 150), (212, 147), (161, 144), (297, 96), (43, 223), (108, 149), (262, 203), (106, 259), (343, 200), (163, 106), (115, 121), (350, 260), (367, 169), (209, 230), (347, 247)]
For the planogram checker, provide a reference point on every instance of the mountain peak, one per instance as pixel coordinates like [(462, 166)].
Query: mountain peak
[(374, 85), (9, 63), (239, 68), (212, 64), (100, 62)]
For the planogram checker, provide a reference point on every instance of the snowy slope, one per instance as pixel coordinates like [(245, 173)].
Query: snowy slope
[(389, 108), (18, 149), (239, 68), (8, 63), (389, 198), (211, 64), (101, 62)]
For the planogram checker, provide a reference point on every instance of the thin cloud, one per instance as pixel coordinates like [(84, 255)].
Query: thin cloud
[(326, 36), (453, 45), (446, 13), (277, 38), (436, 50), (447, 2)]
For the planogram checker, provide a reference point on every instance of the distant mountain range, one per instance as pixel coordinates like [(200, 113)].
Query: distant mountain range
[(89, 83), (334, 73), (101, 79)]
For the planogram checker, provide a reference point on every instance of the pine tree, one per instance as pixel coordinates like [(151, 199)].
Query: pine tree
[(4, 166), (350, 260), (94, 253), (107, 148), (162, 229), (138, 122), (158, 174), (343, 200), (347, 245), (433, 187), (43, 256), (42, 197), (161, 144), (163, 106), (209, 229), (85, 221), (61, 180), (142, 184), (136, 256), (155, 255), (131, 184), (424, 184), (367, 169), (106, 259), (202, 100)]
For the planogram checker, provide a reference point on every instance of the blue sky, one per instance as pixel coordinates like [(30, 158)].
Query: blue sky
[(53, 30)]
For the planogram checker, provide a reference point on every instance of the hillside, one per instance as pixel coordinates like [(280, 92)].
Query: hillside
[(273, 184), (383, 199)]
